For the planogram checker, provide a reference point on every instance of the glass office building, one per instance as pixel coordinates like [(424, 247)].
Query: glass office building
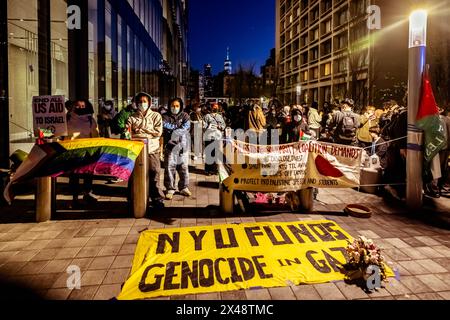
[(95, 49)]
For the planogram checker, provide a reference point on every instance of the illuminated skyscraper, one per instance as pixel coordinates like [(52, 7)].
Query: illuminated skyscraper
[(227, 64)]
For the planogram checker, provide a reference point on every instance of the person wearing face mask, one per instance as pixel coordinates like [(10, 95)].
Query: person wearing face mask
[(176, 124), (297, 127), (145, 123), (105, 117), (81, 124), (214, 126)]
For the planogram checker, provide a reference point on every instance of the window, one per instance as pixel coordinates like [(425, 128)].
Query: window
[(327, 69), (315, 54), (304, 76), (108, 51), (327, 26), (59, 48), (315, 73), (23, 65)]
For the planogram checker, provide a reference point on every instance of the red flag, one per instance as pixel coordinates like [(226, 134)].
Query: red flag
[(428, 104)]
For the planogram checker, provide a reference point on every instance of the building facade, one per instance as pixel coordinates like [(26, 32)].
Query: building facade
[(95, 49), (327, 50)]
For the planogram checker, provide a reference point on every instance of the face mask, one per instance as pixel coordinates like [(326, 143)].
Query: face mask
[(143, 106), (174, 110), (296, 118), (107, 107), (274, 113)]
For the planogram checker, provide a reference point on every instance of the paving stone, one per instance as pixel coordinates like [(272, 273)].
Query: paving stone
[(305, 292), (115, 276), (107, 292), (109, 251), (66, 253), (414, 253), (407, 297), (397, 243), (430, 296), (32, 267), (97, 241), (45, 254), (101, 263), (82, 263), (351, 292), (103, 232), (127, 249), (58, 294), (445, 295), (434, 282), (24, 255), (415, 285), (38, 244), (443, 250), (85, 293), (444, 277), (76, 242), (430, 252), (413, 267), (329, 291), (88, 252), (396, 288), (43, 281), (431, 266), (56, 244), (93, 277), (213, 296), (233, 295), (122, 262), (11, 268), (428, 241), (56, 266)]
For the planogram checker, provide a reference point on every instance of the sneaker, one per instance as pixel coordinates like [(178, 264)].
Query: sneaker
[(169, 194), (186, 192), (90, 198), (430, 191)]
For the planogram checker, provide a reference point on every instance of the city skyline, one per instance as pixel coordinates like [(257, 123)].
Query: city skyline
[(249, 33)]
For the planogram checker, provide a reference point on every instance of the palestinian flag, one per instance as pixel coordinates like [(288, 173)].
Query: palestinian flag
[(428, 120), (97, 156)]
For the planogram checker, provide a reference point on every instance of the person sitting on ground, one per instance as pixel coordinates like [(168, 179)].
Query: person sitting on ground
[(176, 126)]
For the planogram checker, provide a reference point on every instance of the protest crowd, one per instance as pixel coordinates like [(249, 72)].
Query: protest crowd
[(171, 132)]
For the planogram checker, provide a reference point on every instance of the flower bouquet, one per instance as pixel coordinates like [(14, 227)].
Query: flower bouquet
[(363, 253)]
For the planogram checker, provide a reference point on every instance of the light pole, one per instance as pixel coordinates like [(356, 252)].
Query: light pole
[(417, 60)]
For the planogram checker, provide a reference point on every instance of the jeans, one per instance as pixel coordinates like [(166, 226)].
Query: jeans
[(176, 161), (74, 183)]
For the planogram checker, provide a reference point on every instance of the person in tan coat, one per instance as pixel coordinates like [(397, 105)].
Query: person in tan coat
[(256, 119), (367, 120), (146, 123)]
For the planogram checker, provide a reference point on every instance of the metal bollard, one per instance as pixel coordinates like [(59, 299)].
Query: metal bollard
[(139, 184), (43, 199)]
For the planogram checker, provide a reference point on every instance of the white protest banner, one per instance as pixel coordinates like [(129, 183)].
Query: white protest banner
[(49, 116)]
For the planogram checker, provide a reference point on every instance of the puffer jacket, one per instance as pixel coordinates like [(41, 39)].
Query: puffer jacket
[(176, 129)]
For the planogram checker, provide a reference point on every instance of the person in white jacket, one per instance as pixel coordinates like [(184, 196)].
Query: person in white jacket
[(146, 123)]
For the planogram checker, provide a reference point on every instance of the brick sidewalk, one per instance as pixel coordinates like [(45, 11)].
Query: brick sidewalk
[(102, 243)]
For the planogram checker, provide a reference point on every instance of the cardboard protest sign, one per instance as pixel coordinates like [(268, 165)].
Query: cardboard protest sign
[(232, 257), (291, 167), (49, 116)]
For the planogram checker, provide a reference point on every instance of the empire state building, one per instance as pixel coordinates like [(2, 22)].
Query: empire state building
[(227, 64)]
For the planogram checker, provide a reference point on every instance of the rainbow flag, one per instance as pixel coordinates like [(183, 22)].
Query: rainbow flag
[(97, 156)]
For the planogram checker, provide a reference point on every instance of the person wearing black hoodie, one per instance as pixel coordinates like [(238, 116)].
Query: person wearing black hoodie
[(176, 124)]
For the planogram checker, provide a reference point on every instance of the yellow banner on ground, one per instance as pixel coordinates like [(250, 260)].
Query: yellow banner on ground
[(232, 257)]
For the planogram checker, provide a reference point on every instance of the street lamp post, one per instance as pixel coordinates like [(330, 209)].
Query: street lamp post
[(417, 60)]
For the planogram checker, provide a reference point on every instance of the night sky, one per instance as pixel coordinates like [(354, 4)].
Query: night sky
[(246, 26)]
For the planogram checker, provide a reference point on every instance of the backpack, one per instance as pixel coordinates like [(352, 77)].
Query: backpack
[(347, 127)]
